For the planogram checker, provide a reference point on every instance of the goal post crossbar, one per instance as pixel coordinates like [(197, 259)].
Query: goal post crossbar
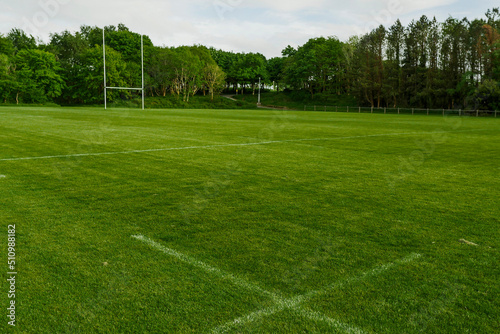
[(121, 88)]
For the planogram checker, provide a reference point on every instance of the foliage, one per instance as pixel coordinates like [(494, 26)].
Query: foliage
[(427, 64), (38, 76), (242, 69), (91, 73), (21, 41), (275, 68), (315, 66), (6, 46), (487, 95), (8, 83)]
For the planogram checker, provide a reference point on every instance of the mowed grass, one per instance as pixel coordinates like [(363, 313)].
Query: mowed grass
[(202, 221)]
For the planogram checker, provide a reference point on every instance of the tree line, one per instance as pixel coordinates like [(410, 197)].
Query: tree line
[(429, 64)]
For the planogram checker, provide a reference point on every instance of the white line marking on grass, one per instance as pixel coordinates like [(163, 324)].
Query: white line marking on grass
[(223, 145), (294, 303), (282, 304), (192, 261)]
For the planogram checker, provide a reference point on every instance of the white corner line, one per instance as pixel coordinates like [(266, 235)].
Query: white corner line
[(293, 303), (208, 268)]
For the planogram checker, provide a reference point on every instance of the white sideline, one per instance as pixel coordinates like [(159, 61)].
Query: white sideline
[(293, 303), (224, 145)]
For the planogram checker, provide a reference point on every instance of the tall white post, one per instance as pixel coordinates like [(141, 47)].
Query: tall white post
[(104, 57), (258, 103), (142, 65)]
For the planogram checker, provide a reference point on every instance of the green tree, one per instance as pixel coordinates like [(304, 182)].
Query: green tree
[(349, 64), (487, 95), (496, 63), (38, 76), (188, 73), (248, 68), (214, 78), (370, 67), (8, 84), (69, 49), (160, 67), (275, 68), (20, 40), (226, 61), (91, 73), (454, 62), (315, 66), (6, 46), (395, 42)]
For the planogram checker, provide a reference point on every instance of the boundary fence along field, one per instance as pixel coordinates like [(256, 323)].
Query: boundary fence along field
[(410, 111)]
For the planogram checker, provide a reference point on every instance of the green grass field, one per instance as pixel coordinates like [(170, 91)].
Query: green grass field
[(203, 221)]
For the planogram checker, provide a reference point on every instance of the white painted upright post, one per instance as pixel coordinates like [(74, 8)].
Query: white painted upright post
[(104, 57), (142, 65), (258, 102)]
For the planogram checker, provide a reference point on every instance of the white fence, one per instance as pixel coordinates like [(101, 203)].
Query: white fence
[(406, 111)]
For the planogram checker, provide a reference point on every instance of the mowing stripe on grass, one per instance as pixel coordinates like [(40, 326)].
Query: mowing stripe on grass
[(192, 261), (293, 303), (318, 317), (226, 145)]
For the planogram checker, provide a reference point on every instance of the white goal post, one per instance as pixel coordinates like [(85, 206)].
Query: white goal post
[(121, 88)]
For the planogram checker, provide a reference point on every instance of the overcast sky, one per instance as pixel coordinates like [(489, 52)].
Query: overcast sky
[(265, 26)]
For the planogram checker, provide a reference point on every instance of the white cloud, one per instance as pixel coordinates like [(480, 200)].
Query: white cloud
[(240, 25), (287, 5)]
